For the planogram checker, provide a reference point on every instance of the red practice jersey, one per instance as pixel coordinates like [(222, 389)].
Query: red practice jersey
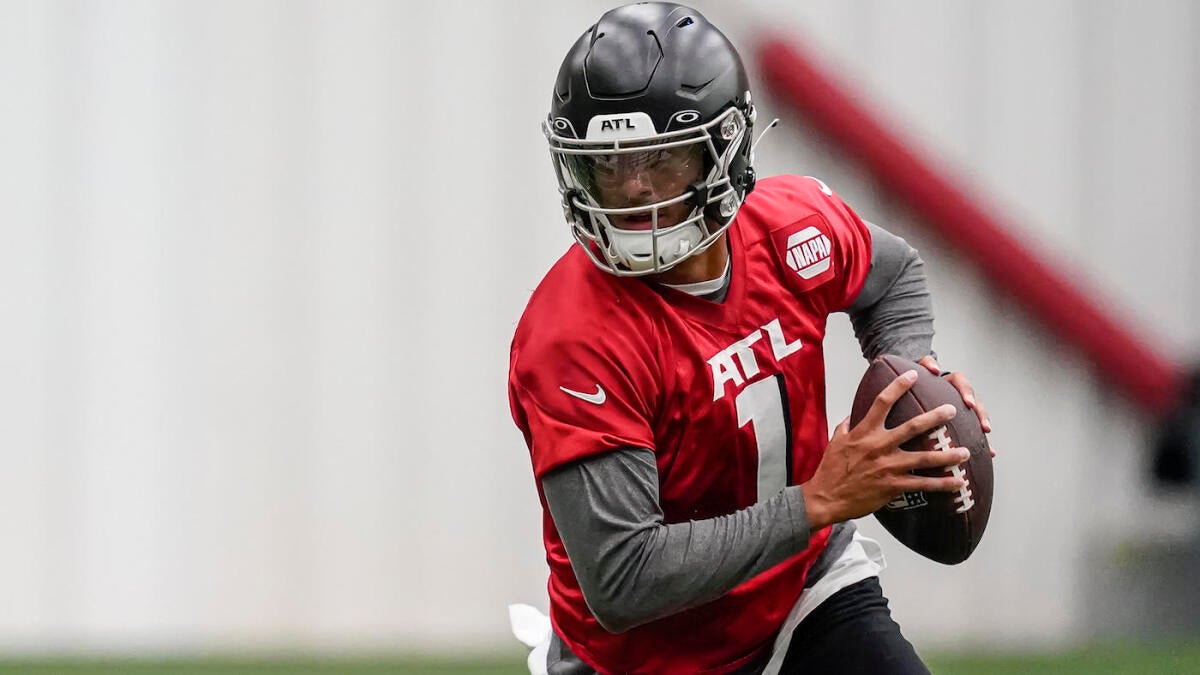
[(730, 397)]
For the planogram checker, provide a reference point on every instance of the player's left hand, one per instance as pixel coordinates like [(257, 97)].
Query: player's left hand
[(963, 385)]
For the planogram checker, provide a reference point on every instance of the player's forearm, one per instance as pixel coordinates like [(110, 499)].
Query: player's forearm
[(671, 568), (632, 567), (893, 313)]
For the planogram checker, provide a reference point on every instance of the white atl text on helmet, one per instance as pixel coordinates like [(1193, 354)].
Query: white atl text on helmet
[(620, 126)]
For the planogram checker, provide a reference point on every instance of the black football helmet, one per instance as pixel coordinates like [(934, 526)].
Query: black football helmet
[(655, 96)]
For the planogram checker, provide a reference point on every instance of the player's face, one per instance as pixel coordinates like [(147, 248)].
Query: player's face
[(643, 178)]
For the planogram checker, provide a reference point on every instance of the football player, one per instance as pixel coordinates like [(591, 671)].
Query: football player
[(668, 378)]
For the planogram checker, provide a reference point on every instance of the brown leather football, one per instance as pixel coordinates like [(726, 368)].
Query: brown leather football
[(942, 526)]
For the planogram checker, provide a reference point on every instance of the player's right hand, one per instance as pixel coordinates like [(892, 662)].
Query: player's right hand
[(864, 468)]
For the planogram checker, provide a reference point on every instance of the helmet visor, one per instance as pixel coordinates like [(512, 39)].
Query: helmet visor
[(639, 178)]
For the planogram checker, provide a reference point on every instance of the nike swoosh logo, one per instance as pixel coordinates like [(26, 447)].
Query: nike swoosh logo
[(598, 398)]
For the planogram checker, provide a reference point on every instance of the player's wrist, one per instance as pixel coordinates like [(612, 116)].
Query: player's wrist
[(816, 510)]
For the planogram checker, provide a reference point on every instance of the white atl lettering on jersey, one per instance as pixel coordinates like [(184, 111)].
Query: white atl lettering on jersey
[(964, 499), (737, 362), (808, 252)]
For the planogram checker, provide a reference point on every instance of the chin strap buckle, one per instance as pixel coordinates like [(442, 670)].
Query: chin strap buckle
[(699, 198)]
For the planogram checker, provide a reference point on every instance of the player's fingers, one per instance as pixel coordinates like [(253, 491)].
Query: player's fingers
[(967, 392), (927, 484), (932, 459), (931, 364), (985, 421), (964, 388), (922, 423), (887, 398)]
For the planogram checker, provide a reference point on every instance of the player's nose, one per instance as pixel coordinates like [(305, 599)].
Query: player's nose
[(637, 184)]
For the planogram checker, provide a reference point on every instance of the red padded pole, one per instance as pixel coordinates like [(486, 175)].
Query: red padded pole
[(1150, 379)]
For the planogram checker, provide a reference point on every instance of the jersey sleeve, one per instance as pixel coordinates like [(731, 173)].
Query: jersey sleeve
[(852, 251), (825, 249), (575, 397)]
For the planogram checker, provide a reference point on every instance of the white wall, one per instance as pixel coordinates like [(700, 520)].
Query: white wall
[(261, 262)]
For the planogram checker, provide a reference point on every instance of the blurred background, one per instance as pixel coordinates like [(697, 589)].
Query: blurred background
[(261, 261)]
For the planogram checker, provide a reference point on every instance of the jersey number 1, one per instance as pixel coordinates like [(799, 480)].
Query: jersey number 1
[(765, 403)]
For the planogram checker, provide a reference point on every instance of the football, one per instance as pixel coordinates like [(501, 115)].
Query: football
[(942, 526)]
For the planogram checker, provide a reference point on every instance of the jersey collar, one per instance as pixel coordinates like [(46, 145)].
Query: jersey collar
[(725, 314)]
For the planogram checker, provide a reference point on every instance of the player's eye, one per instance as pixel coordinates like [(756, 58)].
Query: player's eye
[(603, 170)]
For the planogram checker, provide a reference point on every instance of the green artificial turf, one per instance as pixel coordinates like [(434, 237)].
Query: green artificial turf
[(1180, 657)]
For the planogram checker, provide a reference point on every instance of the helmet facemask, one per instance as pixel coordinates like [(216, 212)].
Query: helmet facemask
[(641, 205)]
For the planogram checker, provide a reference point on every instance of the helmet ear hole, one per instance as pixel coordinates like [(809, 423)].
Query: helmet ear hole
[(574, 213), (747, 180), (741, 173)]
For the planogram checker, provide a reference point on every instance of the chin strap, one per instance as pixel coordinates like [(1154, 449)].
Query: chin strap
[(699, 198)]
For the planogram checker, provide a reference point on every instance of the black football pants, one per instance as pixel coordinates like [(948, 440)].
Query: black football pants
[(852, 633)]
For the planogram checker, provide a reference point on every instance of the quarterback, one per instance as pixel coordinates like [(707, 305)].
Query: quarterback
[(669, 380)]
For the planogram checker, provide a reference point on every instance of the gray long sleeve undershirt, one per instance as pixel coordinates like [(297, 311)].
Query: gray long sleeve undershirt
[(893, 313), (633, 568)]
